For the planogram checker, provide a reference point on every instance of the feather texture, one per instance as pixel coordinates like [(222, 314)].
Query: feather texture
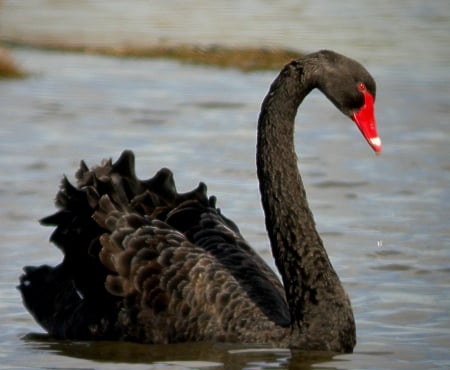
[(174, 266), (145, 263)]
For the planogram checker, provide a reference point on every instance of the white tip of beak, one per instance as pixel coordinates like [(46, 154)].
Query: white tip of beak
[(375, 143)]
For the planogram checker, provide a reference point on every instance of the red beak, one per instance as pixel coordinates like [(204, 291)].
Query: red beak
[(365, 120)]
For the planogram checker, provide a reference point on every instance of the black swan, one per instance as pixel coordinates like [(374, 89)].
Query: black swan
[(145, 263)]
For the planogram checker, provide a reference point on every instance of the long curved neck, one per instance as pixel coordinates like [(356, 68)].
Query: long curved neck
[(298, 250)]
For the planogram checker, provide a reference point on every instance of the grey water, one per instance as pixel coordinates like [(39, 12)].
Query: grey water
[(385, 220)]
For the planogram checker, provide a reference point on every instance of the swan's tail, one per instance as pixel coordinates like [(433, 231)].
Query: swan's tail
[(51, 297), (71, 300), (143, 262)]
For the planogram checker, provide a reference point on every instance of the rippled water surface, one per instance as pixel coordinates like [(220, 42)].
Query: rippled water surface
[(384, 220)]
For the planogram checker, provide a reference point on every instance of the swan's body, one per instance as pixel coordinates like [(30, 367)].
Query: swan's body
[(145, 263)]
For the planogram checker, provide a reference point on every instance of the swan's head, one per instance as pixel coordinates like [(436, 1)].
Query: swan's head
[(352, 90)]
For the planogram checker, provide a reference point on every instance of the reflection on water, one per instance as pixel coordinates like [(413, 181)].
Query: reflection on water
[(383, 219), (169, 356), (112, 355)]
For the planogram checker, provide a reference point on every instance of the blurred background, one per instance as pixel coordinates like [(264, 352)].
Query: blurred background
[(98, 77)]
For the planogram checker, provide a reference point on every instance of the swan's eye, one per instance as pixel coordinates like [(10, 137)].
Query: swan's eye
[(361, 87)]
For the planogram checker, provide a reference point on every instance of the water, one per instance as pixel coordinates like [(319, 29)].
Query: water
[(384, 220)]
